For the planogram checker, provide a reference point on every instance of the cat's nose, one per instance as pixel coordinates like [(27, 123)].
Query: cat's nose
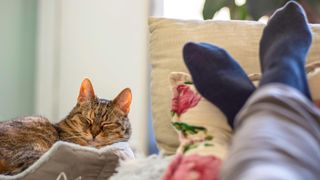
[(94, 132), (94, 135)]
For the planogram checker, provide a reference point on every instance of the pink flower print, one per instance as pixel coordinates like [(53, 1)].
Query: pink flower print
[(193, 167), (184, 99)]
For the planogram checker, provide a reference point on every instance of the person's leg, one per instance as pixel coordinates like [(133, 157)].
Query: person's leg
[(277, 133), (277, 137), (218, 77), (283, 48)]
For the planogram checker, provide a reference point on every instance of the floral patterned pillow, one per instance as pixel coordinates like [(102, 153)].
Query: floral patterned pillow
[(202, 127)]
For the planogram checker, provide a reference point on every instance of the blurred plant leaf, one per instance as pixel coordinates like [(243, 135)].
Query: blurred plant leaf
[(259, 8), (238, 12), (255, 9), (212, 6)]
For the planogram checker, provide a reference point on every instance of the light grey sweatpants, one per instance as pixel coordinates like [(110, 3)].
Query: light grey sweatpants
[(277, 136)]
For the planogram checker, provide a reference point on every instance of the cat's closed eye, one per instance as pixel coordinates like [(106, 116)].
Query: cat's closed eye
[(89, 121), (110, 126)]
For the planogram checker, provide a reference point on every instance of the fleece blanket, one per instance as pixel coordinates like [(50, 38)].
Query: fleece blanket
[(71, 161)]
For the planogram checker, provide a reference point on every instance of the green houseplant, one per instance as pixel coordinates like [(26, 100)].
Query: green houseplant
[(255, 9)]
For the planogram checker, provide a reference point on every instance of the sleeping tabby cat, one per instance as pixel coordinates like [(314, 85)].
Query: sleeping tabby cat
[(92, 122)]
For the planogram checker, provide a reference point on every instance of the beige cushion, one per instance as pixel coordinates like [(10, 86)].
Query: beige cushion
[(314, 81), (167, 37), (202, 114)]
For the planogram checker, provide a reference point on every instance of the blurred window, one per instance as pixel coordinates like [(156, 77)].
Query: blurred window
[(183, 9), (190, 9)]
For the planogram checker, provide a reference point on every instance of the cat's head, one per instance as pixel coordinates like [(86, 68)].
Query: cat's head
[(97, 122)]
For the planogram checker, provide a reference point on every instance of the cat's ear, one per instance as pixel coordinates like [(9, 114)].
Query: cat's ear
[(86, 92), (123, 100)]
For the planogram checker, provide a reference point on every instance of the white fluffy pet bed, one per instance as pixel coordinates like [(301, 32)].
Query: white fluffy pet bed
[(71, 161), (142, 168)]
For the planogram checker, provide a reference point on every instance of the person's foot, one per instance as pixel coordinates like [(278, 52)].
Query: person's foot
[(218, 77), (284, 46)]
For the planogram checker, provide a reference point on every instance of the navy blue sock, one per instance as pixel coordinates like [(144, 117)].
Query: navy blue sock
[(218, 77), (283, 48)]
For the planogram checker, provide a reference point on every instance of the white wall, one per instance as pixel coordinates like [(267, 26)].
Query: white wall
[(104, 40)]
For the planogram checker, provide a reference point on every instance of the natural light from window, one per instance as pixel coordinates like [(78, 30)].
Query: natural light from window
[(240, 2), (192, 9), (183, 9)]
